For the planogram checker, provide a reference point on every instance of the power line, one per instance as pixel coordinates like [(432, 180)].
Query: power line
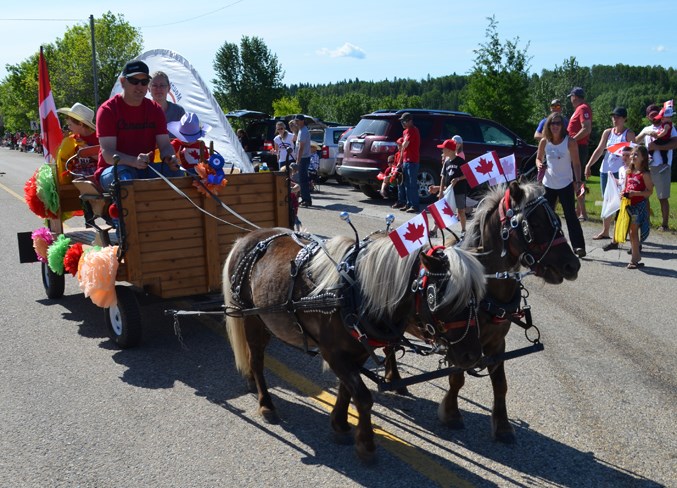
[(192, 18), (44, 20)]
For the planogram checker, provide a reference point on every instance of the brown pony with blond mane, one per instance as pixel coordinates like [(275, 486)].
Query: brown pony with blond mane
[(262, 299), (513, 228)]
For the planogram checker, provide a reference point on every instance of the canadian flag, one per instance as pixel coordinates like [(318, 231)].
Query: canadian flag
[(509, 168), (482, 169), (49, 121), (411, 235), (617, 148), (442, 214)]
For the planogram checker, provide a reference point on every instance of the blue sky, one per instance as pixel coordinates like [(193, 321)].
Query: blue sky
[(322, 42)]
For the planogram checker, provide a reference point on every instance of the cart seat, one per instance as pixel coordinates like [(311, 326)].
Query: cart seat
[(91, 193)]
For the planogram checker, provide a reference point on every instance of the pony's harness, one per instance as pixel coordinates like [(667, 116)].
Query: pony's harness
[(513, 219)]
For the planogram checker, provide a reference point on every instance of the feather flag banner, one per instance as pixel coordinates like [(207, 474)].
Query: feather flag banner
[(49, 121), (411, 235)]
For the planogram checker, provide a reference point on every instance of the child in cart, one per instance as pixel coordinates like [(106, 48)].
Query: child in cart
[(187, 145)]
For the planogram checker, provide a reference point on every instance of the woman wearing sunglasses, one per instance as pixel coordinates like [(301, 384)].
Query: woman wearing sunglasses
[(562, 177)]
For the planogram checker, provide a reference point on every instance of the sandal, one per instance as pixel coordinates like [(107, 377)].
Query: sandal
[(632, 265), (600, 237)]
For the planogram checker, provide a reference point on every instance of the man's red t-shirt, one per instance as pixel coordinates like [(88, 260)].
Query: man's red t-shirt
[(134, 127), (411, 152), (581, 114)]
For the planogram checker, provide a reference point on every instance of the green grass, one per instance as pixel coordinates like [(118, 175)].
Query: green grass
[(595, 195)]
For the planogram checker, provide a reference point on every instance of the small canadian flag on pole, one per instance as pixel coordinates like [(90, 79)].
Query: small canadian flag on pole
[(49, 121), (442, 214), (482, 169), (509, 168), (411, 235)]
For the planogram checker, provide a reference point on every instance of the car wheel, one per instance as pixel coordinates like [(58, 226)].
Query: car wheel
[(426, 178), (123, 320), (370, 191)]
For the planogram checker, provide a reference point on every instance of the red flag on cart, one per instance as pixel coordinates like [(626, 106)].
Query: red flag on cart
[(49, 121)]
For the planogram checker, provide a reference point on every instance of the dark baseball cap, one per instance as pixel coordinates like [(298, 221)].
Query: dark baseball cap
[(577, 91), (135, 68), (406, 116), (621, 112), (300, 117)]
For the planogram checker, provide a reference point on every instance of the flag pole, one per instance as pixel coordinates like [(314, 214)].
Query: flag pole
[(94, 68)]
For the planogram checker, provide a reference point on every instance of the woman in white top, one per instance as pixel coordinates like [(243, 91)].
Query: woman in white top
[(284, 144), (611, 162), (563, 166)]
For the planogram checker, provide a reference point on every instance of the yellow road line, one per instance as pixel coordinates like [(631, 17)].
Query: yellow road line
[(396, 446), (11, 192)]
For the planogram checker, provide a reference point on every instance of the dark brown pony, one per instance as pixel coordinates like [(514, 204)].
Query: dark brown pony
[(386, 297), (513, 228)]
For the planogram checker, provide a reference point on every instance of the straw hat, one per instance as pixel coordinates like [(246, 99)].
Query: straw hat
[(80, 113)]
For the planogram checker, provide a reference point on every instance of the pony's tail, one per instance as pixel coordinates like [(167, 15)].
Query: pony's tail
[(235, 326)]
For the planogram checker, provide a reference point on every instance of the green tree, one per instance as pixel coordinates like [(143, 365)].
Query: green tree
[(498, 85), (248, 76), (285, 106), (69, 61)]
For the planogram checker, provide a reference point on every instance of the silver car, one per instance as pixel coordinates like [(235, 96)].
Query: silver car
[(329, 150)]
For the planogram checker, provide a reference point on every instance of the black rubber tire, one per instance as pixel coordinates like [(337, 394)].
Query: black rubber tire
[(123, 321), (54, 284), (370, 191)]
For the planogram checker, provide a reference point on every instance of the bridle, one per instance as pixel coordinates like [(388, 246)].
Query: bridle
[(514, 219), (431, 289)]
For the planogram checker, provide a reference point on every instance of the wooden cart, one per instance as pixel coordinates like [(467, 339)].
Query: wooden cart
[(172, 249)]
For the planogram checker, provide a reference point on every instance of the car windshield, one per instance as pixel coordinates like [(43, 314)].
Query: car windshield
[(371, 127)]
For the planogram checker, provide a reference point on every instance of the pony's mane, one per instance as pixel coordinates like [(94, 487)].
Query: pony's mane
[(489, 203), (384, 278)]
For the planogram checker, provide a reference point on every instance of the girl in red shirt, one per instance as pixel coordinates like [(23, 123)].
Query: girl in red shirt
[(638, 188)]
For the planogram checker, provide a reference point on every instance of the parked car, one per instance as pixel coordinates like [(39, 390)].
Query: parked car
[(373, 139), (340, 147), (260, 129), (329, 150)]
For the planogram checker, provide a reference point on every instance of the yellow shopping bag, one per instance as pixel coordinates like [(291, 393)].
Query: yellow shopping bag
[(623, 222)]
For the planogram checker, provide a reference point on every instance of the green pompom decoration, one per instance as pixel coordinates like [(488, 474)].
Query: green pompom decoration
[(56, 252), (46, 184)]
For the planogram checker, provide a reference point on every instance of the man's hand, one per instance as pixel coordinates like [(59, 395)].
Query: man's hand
[(141, 161), (172, 161)]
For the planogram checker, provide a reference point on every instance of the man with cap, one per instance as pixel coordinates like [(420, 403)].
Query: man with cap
[(555, 106), (407, 192), (618, 132), (579, 129), (660, 174), (131, 126), (303, 152)]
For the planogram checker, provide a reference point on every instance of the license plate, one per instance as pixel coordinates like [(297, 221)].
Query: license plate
[(356, 146)]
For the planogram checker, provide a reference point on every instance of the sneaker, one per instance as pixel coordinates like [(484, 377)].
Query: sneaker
[(610, 246), (398, 205), (580, 252)]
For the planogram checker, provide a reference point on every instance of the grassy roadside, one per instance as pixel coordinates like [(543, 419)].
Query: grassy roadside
[(593, 204)]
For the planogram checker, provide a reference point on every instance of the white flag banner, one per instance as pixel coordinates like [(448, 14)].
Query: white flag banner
[(611, 202), (442, 214), (509, 170), (188, 90), (450, 198), (482, 169), (411, 235)]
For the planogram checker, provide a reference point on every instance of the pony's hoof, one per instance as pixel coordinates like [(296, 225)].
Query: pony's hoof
[(366, 456), (505, 437), (344, 438), (269, 415)]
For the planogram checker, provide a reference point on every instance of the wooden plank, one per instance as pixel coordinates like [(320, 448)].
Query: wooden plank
[(281, 203), (183, 245), (170, 256), (154, 226), (154, 267), (167, 216), (170, 235), (211, 243), (133, 252), (183, 283)]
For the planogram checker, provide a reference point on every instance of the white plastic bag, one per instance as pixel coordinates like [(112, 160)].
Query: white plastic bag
[(450, 198), (612, 197)]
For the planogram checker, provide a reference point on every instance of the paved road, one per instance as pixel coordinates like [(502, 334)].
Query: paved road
[(596, 408)]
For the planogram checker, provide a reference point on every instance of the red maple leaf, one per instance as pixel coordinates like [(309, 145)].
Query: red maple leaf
[(448, 211), (414, 232), (195, 154), (485, 166)]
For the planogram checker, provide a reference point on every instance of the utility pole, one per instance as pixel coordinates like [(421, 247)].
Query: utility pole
[(94, 69)]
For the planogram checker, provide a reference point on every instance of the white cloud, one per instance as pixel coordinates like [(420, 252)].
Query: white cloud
[(660, 48), (348, 50)]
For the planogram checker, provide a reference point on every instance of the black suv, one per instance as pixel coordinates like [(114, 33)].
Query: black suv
[(373, 139), (260, 129)]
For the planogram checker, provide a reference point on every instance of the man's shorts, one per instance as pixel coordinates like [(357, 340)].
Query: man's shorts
[(460, 200), (661, 181)]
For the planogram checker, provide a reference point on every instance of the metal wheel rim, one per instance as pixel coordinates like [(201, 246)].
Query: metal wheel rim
[(115, 319), (425, 179)]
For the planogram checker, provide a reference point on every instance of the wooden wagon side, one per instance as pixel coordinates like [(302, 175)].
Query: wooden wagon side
[(173, 249)]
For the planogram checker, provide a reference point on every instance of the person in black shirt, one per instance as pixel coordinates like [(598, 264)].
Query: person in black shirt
[(453, 177)]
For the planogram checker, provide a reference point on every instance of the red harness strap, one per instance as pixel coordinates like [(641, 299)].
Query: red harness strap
[(372, 342)]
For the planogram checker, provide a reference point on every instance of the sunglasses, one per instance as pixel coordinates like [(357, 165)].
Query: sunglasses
[(137, 81)]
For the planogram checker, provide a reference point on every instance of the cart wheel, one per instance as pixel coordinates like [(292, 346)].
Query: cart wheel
[(54, 284), (123, 320)]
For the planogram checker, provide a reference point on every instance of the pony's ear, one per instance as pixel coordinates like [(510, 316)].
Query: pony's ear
[(433, 263), (516, 191)]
